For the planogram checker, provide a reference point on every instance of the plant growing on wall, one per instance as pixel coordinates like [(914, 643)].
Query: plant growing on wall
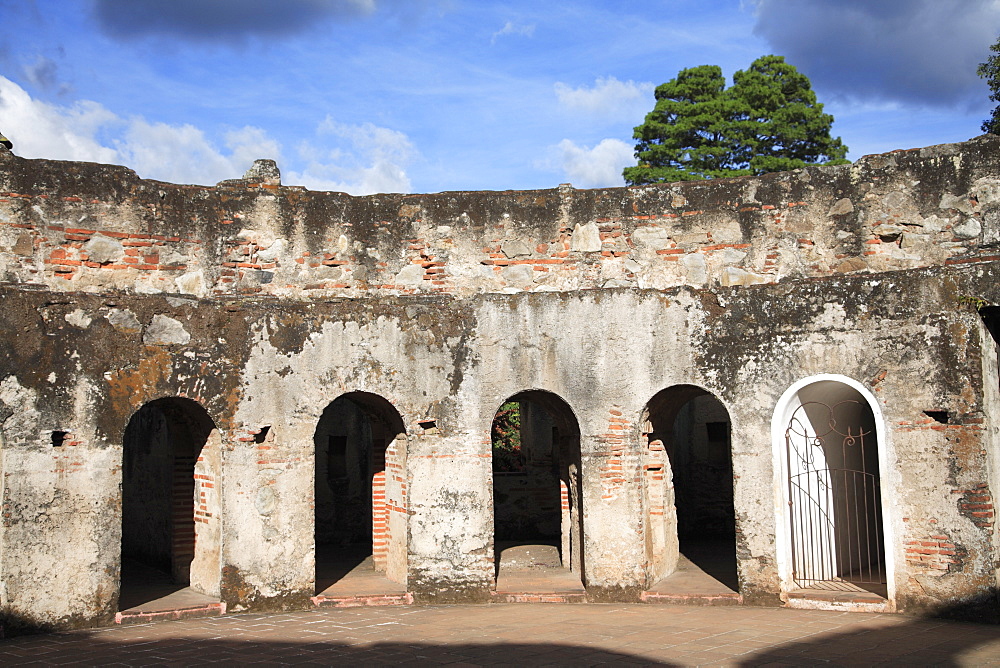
[(506, 435), (767, 121), (990, 70)]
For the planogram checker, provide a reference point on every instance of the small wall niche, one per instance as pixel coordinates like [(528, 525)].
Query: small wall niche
[(940, 417)]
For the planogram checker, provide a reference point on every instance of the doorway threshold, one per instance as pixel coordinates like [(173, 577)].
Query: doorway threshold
[(148, 594), (360, 585), (840, 595), (691, 585), (184, 603), (533, 573)]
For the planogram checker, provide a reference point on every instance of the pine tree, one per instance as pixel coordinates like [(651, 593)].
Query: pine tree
[(769, 120), (990, 70), (779, 124)]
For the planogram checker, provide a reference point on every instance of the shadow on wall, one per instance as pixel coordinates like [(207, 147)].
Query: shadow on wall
[(984, 609), (13, 624), (897, 644)]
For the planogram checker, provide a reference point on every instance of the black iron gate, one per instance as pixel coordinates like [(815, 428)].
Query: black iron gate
[(834, 496)]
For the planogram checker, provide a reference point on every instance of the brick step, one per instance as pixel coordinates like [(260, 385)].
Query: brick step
[(691, 599), (537, 597), (362, 600), (193, 612), (846, 595)]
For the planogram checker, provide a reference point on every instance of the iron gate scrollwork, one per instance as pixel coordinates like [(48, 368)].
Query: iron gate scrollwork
[(834, 496)]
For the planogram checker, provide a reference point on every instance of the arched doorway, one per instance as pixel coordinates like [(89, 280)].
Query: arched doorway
[(832, 486), (537, 495), (691, 520), (360, 497), (170, 506)]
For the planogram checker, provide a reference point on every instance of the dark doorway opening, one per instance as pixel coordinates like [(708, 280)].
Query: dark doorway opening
[(537, 511), (689, 476), (360, 497), (169, 542), (991, 319)]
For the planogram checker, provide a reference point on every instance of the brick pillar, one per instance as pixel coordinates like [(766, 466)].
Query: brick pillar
[(380, 523), (182, 518), (396, 517), (661, 559), (566, 523)]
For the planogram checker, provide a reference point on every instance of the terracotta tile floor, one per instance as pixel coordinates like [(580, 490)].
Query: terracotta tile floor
[(690, 579), (149, 590), (537, 634), (360, 579), (535, 569)]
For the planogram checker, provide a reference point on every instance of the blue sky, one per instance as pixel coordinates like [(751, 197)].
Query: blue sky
[(407, 96)]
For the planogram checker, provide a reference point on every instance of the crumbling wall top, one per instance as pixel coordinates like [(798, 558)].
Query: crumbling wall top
[(83, 226)]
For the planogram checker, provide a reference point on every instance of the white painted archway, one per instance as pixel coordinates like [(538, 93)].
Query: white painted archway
[(787, 405)]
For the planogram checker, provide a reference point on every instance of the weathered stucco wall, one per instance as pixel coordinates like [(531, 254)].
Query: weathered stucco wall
[(76, 226), (450, 304)]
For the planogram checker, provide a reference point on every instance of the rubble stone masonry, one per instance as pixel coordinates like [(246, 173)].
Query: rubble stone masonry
[(260, 304)]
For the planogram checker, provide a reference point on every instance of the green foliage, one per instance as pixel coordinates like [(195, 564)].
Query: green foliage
[(506, 436), (779, 123), (685, 136), (990, 70), (976, 302), (767, 121)]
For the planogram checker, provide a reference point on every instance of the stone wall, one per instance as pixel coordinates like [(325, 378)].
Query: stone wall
[(445, 306), (84, 227)]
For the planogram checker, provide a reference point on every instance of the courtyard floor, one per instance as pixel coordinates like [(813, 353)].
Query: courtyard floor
[(535, 634)]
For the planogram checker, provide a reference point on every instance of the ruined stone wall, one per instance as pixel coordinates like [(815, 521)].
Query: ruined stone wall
[(84, 227), (84, 347)]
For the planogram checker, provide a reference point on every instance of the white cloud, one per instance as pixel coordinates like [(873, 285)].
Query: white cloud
[(179, 154), (362, 159), (511, 28), (87, 131), (64, 133), (597, 167), (250, 143), (609, 97), (358, 159)]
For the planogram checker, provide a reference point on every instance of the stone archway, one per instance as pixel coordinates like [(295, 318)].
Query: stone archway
[(690, 514), (537, 494), (360, 491), (828, 438), (171, 524)]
